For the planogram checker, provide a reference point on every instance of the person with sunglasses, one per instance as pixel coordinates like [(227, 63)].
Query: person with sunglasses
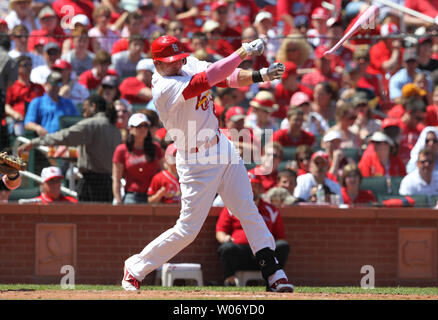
[(428, 139), (424, 179), (137, 161)]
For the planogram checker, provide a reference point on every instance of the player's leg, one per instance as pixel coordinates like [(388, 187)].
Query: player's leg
[(235, 190), (198, 189)]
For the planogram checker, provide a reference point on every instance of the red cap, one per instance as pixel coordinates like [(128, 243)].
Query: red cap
[(254, 178), (168, 49), (61, 64), (319, 154), (3, 22), (390, 122), (235, 114), (290, 68), (320, 13), (298, 98), (319, 51), (219, 4)]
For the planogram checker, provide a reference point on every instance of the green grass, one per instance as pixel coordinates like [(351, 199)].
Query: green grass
[(331, 290)]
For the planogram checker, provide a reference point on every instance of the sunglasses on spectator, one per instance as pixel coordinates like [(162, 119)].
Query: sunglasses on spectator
[(292, 49), (26, 65), (431, 140), (177, 29), (122, 111), (304, 159), (142, 125), (426, 161), (222, 11)]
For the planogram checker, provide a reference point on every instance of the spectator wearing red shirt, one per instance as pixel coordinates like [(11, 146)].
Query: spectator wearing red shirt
[(411, 90), (164, 187), (284, 90), (411, 125), (20, 94), (137, 161), (134, 24), (302, 158), (378, 161), (234, 251), (85, 7), (138, 89), (294, 135), (51, 187), (50, 31), (91, 79), (267, 172), (361, 56), (323, 72), (351, 193), (229, 38), (287, 10), (386, 56), (427, 7), (244, 12), (342, 55)]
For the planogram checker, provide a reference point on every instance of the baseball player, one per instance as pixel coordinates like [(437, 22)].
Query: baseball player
[(207, 162)]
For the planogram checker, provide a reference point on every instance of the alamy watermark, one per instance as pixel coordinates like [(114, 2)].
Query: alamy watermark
[(368, 280), (67, 281)]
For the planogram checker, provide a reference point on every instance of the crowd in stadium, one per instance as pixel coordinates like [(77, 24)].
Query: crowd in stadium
[(370, 110)]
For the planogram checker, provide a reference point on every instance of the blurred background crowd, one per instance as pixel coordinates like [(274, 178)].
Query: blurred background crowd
[(355, 128)]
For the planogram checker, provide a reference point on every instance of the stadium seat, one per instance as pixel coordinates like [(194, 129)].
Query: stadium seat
[(138, 106), (68, 121), (282, 166), (352, 153), (24, 193), (289, 153), (377, 185), (395, 184)]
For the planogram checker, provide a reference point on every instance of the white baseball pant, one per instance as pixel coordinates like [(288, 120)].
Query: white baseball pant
[(199, 185)]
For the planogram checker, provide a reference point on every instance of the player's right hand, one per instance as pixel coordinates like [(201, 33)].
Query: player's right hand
[(274, 71), (254, 48)]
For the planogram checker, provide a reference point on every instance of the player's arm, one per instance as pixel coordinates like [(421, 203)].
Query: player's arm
[(222, 70)]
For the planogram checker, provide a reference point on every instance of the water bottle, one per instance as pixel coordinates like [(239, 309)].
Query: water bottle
[(320, 194)]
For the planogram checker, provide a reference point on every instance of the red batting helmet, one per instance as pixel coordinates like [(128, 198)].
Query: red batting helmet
[(168, 49)]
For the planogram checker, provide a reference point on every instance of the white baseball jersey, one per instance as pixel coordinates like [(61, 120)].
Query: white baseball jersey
[(177, 113)]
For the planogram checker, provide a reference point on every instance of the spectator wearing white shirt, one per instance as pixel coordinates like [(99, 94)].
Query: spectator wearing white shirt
[(20, 36), (424, 179), (319, 165), (21, 14), (52, 52)]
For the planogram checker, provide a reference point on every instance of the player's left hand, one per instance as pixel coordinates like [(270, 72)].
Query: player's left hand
[(274, 71), (254, 48)]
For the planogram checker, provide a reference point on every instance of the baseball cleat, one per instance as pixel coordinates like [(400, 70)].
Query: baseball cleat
[(129, 283), (281, 285)]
